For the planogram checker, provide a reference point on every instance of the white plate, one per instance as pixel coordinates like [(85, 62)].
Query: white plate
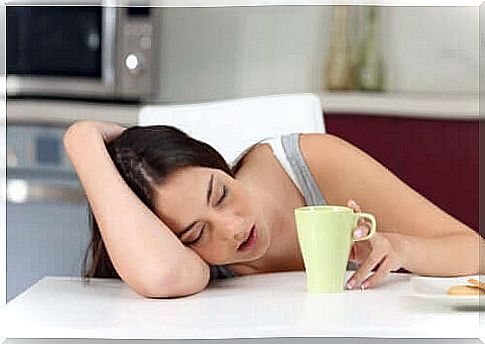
[(435, 289)]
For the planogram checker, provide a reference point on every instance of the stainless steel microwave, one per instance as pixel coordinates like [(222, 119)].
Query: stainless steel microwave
[(86, 51)]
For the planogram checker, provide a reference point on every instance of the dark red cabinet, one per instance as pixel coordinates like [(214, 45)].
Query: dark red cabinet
[(438, 158)]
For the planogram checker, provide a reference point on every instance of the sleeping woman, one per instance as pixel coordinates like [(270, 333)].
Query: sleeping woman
[(168, 214)]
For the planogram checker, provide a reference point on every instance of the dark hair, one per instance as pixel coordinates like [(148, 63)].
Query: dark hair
[(145, 157)]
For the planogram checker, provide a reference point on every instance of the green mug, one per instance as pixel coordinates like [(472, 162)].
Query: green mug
[(325, 235)]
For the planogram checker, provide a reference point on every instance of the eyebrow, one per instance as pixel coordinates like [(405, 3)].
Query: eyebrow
[(208, 196)]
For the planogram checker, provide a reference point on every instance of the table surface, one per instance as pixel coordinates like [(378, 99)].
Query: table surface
[(266, 305)]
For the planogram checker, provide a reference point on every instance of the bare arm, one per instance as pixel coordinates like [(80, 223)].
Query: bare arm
[(431, 241), (144, 252), (450, 255)]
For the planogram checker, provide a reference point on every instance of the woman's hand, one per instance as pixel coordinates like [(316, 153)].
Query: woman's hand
[(382, 252)]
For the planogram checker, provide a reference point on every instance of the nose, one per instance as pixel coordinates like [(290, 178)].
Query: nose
[(231, 227)]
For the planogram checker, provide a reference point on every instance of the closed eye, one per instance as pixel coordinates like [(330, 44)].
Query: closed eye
[(223, 196), (193, 242), (202, 230), (225, 192)]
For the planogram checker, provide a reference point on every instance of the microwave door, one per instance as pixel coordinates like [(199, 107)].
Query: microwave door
[(60, 50)]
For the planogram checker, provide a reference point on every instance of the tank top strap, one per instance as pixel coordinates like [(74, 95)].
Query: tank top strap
[(300, 170)]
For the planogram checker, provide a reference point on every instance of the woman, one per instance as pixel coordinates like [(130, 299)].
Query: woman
[(169, 213)]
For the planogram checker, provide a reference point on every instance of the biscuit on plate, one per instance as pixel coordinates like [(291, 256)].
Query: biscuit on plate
[(465, 290), (476, 283)]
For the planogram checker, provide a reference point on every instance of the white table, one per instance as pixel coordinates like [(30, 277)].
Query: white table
[(268, 305)]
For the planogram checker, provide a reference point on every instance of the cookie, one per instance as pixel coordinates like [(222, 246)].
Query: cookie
[(476, 283), (465, 290)]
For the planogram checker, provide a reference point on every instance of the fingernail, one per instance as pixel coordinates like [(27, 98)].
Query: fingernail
[(365, 285), (359, 233), (350, 284), (352, 202)]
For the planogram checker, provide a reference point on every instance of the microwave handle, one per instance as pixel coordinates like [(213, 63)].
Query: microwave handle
[(108, 57)]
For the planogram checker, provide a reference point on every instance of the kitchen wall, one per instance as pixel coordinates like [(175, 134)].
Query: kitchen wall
[(210, 53), (432, 49)]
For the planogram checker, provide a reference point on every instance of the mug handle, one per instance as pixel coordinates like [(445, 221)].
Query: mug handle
[(373, 225)]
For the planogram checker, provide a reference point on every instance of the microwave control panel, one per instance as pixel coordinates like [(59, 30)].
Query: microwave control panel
[(135, 60)]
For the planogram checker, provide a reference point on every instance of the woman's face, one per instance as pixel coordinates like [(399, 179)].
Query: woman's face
[(214, 214)]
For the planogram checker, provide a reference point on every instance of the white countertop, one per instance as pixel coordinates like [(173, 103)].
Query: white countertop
[(68, 111), (267, 305), (451, 107), (417, 105)]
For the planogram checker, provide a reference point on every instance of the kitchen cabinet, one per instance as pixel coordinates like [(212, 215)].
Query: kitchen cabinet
[(438, 158)]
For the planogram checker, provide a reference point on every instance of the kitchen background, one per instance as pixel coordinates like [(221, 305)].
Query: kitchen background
[(399, 82)]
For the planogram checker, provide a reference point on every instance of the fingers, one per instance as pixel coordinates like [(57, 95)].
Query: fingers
[(363, 225), (352, 254), (356, 207), (361, 231), (360, 251), (352, 204), (378, 276), (377, 257), (370, 263)]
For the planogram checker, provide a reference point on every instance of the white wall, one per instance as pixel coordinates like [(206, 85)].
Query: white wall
[(433, 49), (210, 53), (213, 53)]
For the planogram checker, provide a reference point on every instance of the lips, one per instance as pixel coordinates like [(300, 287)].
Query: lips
[(250, 240)]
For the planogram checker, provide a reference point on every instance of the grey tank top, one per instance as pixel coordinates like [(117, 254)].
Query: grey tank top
[(291, 158)]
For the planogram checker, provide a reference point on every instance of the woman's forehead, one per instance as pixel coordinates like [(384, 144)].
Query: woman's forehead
[(185, 191), (188, 176), (183, 184)]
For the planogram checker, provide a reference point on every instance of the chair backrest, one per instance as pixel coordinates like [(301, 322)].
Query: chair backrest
[(231, 126)]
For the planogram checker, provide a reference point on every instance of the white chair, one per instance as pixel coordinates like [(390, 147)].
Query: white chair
[(231, 126)]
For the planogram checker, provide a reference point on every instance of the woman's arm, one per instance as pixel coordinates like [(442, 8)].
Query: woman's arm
[(145, 253), (449, 255), (432, 241)]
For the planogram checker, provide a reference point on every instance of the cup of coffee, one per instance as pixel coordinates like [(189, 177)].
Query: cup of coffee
[(325, 234)]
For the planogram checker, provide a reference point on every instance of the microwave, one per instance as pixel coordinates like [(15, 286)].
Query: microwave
[(82, 51)]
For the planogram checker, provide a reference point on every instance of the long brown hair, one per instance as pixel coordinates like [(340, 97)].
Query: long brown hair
[(145, 157)]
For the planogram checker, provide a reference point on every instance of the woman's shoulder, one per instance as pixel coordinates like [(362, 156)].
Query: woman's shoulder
[(311, 145), (323, 148), (307, 141), (271, 152), (313, 141)]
